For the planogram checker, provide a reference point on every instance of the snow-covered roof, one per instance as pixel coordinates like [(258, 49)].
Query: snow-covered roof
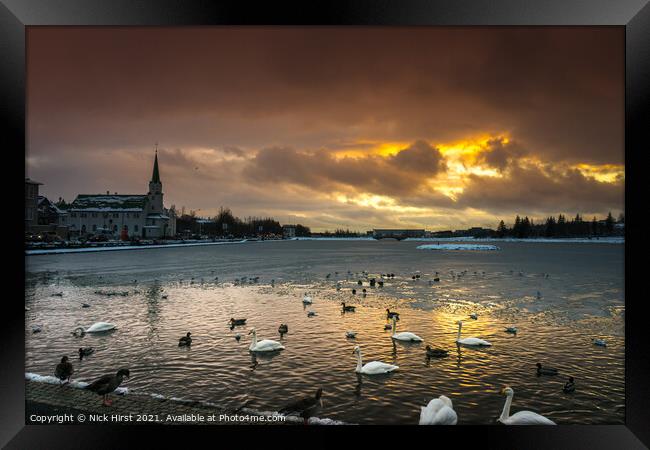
[(157, 216), (107, 203)]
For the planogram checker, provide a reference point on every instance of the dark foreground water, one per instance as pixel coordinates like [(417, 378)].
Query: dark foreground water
[(581, 298)]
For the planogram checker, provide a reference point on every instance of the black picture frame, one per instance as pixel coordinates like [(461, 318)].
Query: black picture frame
[(633, 15)]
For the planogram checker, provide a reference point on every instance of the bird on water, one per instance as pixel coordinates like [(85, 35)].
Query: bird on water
[(107, 384), (64, 370)]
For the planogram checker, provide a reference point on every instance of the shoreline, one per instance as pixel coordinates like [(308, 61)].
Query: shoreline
[(53, 251)]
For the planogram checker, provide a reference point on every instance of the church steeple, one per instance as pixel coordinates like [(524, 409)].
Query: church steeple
[(155, 177)]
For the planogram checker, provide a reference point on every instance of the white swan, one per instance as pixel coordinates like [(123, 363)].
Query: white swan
[(521, 417), (471, 340), (373, 367), (307, 300), (100, 326), (265, 345), (439, 411), (405, 335)]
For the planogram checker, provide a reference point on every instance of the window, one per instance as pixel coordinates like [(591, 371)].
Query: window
[(94, 227), (105, 215), (135, 228), (73, 214), (116, 215), (93, 214), (137, 215), (84, 215)]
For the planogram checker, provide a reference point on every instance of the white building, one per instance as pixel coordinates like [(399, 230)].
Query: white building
[(136, 215)]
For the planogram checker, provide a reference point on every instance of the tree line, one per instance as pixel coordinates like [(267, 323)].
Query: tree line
[(226, 224), (559, 227)]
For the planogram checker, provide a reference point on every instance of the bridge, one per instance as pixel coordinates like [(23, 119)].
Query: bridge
[(396, 234)]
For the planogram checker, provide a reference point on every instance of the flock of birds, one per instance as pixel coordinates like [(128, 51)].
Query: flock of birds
[(439, 411)]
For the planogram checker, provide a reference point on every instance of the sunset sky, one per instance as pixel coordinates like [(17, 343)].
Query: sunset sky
[(436, 128)]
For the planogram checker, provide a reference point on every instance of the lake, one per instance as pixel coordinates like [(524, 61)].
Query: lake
[(560, 296)]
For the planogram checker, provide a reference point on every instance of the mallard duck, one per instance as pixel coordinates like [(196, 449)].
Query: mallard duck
[(545, 370), (283, 328), (234, 321), (473, 316), (350, 334), (600, 342), (348, 308), (390, 314), (185, 341), (85, 351), (64, 370), (311, 314), (305, 407), (85, 305), (436, 352), (36, 329), (511, 330), (569, 386), (107, 384)]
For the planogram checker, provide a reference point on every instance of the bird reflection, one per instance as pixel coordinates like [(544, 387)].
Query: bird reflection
[(357, 388)]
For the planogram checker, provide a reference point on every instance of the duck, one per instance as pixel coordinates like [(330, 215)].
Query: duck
[(237, 337), (265, 345), (473, 316), (283, 328), (234, 321), (354, 291), (350, 334), (439, 411), (511, 330), (311, 313), (471, 341), (36, 329), (348, 308), (185, 341), (521, 417), (404, 335), (569, 386), (85, 305), (107, 384), (390, 314), (600, 342), (63, 371), (85, 351), (307, 300), (436, 352), (373, 367), (380, 283), (164, 296), (305, 407), (545, 370)]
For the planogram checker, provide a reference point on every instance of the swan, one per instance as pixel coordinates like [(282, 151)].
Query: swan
[(521, 417), (439, 411), (100, 327), (265, 345), (471, 340), (373, 367), (405, 335)]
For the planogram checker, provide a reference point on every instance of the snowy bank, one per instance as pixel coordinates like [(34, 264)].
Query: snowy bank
[(602, 240), (126, 247), (457, 247)]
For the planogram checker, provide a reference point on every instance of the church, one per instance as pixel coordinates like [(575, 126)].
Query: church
[(125, 216)]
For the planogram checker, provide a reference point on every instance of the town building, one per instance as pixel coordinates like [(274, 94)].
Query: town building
[(31, 203), (130, 215), (288, 231)]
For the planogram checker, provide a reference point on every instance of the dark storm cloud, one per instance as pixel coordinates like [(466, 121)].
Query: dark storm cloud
[(99, 98), (399, 174), (534, 190)]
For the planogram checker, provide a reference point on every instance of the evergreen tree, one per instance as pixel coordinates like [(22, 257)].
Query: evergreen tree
[(609, 223), (550, 228), (502, 230), (594, 227)]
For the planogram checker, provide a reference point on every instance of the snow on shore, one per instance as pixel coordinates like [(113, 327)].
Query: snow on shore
[(49, 379), (124, 247), (602, 240), (457, 247)]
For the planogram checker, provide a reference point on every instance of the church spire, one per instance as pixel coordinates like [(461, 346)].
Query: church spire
[(155, 177)]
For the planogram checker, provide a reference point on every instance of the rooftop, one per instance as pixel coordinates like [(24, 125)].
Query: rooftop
[(116, 202)]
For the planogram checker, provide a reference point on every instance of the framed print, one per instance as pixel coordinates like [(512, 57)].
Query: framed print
[(317, 221)]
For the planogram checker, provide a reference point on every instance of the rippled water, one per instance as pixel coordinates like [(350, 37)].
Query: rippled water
[(582, 298)]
